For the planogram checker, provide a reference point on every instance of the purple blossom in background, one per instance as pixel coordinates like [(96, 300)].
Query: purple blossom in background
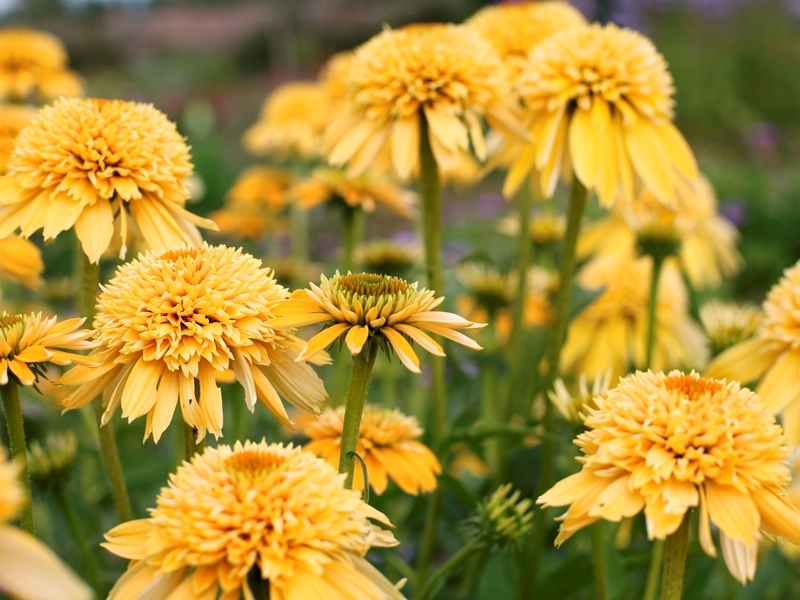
[(490, 205), (763, 137), (735, 211)]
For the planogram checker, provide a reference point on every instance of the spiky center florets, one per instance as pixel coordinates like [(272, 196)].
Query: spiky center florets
[(729, 324), (9, 322), (781, 327), (371, 285)]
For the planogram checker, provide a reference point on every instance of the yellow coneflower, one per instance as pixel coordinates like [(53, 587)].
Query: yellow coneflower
[(167, 324), (102, 167), (572, 406), (274, 512), (34, 63), (386, 443), (667, 443), (362, 305), (13, 119), (728, 323), (599, 104), (447, 74), (610, 333), (291, 121), (21, 260), (28, 569), (365, 191), (545, 228), (387, 257)]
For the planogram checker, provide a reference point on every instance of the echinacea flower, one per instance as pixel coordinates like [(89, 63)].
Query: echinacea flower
[(102, 167), (291, 122), (668, 443), (273, 512), (728, 323), (29, 343), (386, 443), (772, 356), (448, 75), (544, 228), (387, 257), (13, 119), (572, 405), (21, 260), (599, 104), (167, 324), (359, 306), (34, 63), (29, 570)]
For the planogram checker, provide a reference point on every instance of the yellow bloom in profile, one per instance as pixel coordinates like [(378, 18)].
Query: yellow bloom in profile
[(515, 28), (365, 191), (102, 167), (387, 445), (167, 324), (573, 405), (21, 260), (447, 74), (359, 306), (266, 509), (611, 332), (291, 122), (34, 63), (387, 257), (545, 228), (29, 570), (599, 104), (13, 119), (255, 203), (728, 323), (772, 356), (667, 443), (29, 343)]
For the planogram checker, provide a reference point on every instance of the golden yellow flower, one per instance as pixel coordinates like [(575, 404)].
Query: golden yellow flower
[(291, 121), (387, 257), (13, 119), (572, 406), (515, 28), (669, 443), (545, 228), (386, 443), (266, 509), (29, 343), (167, 324), (772, 356), (362, 305), (447, 74), (599, 104), (29, 570), (611, 332), (728, 323), (365, 191), (254, 204), (102, 166), (21, 260), (34, 63)]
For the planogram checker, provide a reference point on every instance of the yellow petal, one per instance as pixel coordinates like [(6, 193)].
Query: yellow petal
[(405, 145), (739, 558), (734, 512), (744, 362), (583, 146), (356, 338), (778, 516), (402, 348), (678, 150), (94, 228), (781, 383), (322, 340), (649, 159)]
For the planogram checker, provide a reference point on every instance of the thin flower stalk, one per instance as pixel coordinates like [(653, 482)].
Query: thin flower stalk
[(676, 546), (16, 436)]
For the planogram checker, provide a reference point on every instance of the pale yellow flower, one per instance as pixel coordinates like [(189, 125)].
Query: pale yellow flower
[(544, 228), (167, 324), (359, 306), (387, 257), (573, 405), (667, 444), (13, 119), (21, 260), (266, 509), (599, 104), (728, 323), (102, 167)]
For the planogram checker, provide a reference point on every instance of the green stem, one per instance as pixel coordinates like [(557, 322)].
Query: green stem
[(360, 374), (653, 573), (74, 524), (577, 202), (89, 277), (490, 418), (353, 226), (675, 549), (238, 416), (190, 446), (299, 240), (258, 585), (19, 451), (599, 560), (455, 561), (652, 307)]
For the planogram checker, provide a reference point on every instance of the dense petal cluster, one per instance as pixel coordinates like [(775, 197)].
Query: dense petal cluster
[(386, 443), (599, 104), (448, 75), (667, 443), (273, 510), (168, 324), (359, 306), (728, 323), (13, 119), (102, 167)]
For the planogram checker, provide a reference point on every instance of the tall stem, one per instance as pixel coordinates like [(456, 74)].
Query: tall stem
[(360, 374), (490, 418), (298, 225), (19, 451), (599, 560), (74, 524), (89, 277), (458, 559), (577, 202), (656, 560), (652, 307), (353, 225), (675, 561)]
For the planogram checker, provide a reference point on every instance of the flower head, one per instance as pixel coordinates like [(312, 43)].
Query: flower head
[(447, 74), (13, 119), (670, 443), (168, 323), (362, 305), (21, 260), (34, 63), (29, 343), (387, 257), (545, 228), (51, 462), (274, 510), (502, 519), (572, 406), (291, 121), (386, 443), (599, 103), (727, 323), (102, 166)]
